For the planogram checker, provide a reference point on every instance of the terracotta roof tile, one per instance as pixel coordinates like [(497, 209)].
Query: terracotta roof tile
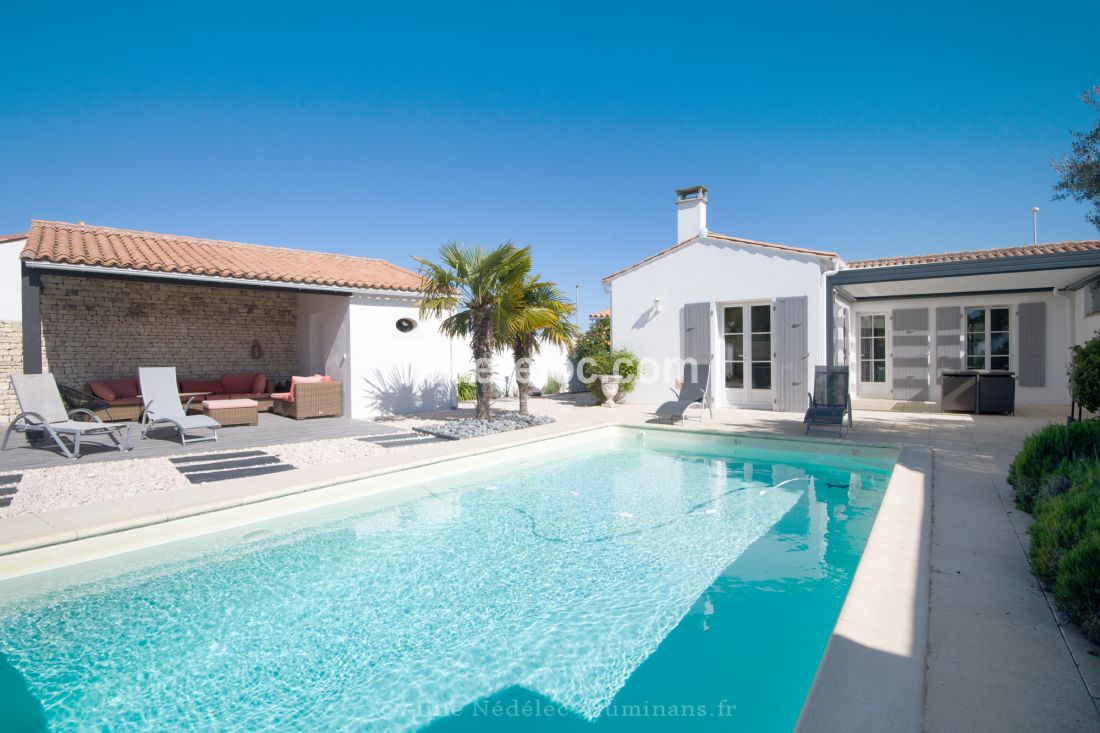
[(12, 237), (80, 244), (981, 254), (724, 238), (605, 313)]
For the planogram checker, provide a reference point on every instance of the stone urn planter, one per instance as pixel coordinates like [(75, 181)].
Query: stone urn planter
[(609, 385)]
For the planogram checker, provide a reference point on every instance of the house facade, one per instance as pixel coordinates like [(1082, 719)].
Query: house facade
[(763, 315), (86, 303)]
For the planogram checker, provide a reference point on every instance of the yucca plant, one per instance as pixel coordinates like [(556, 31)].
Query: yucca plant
[(478, 294)]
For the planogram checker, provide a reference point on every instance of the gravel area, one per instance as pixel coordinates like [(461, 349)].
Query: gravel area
[(469, 427), (43, 489), (317, 452)]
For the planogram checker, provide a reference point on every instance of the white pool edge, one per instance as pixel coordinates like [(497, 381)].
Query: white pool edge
[(872, 674)]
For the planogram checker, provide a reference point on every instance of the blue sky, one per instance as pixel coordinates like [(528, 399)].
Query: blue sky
[(386, 131)]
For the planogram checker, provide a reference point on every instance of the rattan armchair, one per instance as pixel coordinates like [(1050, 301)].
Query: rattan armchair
[(311, 399)]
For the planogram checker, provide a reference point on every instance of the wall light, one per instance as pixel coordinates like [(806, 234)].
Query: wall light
[(657, 305)]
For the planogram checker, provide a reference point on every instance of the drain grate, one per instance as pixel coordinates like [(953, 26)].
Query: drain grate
[(224, 466), (8, 486), (400, 440)]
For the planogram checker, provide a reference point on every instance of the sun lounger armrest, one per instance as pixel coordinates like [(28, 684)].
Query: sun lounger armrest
[(83, 411), (24, 415)]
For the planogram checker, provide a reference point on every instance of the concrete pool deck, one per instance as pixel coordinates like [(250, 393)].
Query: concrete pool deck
[(996, 656)]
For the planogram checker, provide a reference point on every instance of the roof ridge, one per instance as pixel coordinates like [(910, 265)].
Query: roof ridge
[(187, 237)]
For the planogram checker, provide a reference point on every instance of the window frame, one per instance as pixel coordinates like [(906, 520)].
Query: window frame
[(868, 356), (987, 334)]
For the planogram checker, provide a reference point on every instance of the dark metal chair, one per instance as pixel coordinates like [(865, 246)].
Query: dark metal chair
[(830, 401)]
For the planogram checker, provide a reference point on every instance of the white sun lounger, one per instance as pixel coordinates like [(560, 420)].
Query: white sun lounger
[(162, 405)]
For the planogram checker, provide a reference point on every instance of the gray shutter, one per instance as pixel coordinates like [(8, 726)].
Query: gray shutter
[(909, 332), (948, 340), (791, 353), (695, 338), (1032, 331)]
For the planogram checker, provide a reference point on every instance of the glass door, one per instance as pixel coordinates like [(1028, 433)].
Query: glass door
[(872, 355), (746, 330)]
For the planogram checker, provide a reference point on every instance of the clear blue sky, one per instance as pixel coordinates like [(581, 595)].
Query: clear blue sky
[(387, 130)]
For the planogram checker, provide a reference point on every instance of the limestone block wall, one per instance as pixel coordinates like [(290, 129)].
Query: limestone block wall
[(11, 361), (96, 328)]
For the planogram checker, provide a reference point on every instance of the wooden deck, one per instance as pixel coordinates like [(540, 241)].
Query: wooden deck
[(271, 430)]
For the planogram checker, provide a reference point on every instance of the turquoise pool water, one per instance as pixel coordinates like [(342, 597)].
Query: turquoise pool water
[(642, 583)]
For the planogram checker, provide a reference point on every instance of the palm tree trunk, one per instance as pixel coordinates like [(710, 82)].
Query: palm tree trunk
[(482, 346), (522, 354)]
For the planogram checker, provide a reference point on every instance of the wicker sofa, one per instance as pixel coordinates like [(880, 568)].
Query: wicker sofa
[(314, 396), (123, 396)]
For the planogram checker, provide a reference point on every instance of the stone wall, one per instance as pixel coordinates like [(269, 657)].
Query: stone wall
[(11, 361), (95, 328)]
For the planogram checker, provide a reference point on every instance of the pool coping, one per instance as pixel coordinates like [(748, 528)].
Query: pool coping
[(872, 674), (873, 667)]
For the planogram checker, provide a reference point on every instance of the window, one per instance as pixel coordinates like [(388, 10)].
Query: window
[(761, 321), (872, 349), (735, 347), (988, 345)]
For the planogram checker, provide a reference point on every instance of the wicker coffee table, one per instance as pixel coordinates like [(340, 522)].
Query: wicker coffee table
[(232, 412)]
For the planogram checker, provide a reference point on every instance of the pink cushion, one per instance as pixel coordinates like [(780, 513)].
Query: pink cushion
[(238, 382), (103, 390), (259, 384), (305, 380), (282, 396), (213, 386), (227, 404)]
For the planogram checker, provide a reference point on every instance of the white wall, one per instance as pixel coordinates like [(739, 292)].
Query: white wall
[(1055, 392), (394, 372), (712, 271), (11, 289), (550, 360), (323, 339)]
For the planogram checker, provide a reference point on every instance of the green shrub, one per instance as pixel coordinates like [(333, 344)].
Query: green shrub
[(622, 362), (596, 340), (1048, 453), (1065, 545), (553, 384), (1084, 374), (467, 388)]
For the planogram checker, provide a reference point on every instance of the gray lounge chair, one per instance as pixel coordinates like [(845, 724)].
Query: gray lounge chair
[(41, 408), (830, 402), (162, 405), (693, 391)]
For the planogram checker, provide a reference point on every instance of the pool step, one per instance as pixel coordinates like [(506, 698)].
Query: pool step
[(402, 439), (225, 466), (8, 486)]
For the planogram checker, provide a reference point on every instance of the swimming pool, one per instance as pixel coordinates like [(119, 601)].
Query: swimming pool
[(640, 577)]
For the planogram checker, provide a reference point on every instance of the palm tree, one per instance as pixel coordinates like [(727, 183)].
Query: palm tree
[(479, 292), (544, 319)]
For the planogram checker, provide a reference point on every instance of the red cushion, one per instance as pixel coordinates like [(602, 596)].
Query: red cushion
[(259, 384), (124, 401), (125, 387), (214, 386), (238, 382), (103, 390)]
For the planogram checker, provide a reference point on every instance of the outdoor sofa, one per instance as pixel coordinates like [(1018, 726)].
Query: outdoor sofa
[(124, 400), (313, 396)]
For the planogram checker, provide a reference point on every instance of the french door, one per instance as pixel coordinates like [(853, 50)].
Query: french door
[(747, 333), (872, 355)]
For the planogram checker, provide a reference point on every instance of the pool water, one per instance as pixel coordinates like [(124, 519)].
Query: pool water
[(644, 582)]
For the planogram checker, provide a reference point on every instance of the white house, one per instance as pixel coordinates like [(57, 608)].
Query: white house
[(764, 314), (88, 302)]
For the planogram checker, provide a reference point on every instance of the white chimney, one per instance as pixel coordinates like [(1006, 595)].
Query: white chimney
[(691, 213)]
